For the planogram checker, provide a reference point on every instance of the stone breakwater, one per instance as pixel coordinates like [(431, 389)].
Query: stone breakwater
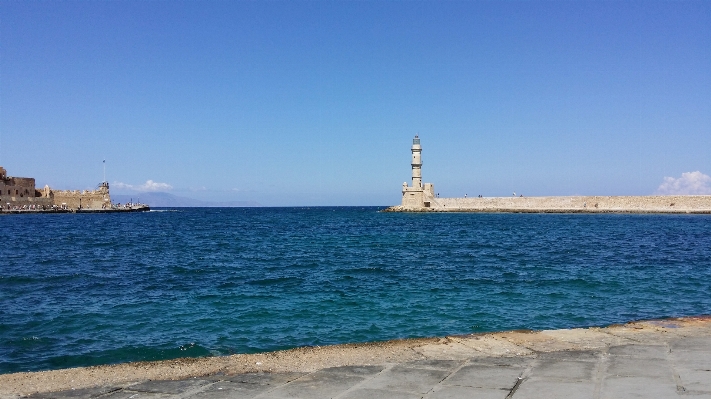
[(670, 354), (573, 204)]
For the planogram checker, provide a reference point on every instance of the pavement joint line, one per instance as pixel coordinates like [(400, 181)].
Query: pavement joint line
[(388, 366), (601, 370), (422, 357), (283, 385), (418, 352), (513, 390), (523, 376), (110, 391), (462, 364), (182, 395), (675, 374), (198, 389), (627, 338)]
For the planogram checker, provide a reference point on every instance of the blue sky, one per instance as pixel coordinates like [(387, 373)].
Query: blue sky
[(316, 103)]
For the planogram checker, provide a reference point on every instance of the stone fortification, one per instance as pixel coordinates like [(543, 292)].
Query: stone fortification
[(84, 199), (420, 197), (19, 193)]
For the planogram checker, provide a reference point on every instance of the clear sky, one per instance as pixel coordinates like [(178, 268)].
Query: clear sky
[(316, 103)]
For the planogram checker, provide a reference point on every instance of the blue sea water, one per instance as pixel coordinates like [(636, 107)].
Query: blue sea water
[(87, 289)]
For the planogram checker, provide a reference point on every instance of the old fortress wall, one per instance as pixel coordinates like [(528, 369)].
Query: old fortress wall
[(84, 199), (420, 197), (20, 193)]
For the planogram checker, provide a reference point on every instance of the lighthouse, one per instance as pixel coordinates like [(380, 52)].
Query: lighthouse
[(418, 195), (416, 162)]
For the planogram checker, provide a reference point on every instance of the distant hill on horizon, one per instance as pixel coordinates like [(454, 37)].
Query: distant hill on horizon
[(167, 200)]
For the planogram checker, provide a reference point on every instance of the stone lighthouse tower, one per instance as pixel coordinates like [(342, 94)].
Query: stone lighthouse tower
[(417, 195), (416, 162)]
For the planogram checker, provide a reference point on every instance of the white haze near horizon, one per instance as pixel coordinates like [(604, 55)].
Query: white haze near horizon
[(148, 186), (689, 183)]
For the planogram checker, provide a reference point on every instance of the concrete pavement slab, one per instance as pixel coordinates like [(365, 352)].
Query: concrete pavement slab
[(407, 379), (640, 351), (564, 370), (637, 387), (482, 376), (542, 388), (75, 393), (232, 390), (522, 362), (692, 360), (258, 378), (634, 367), (434, 364), (123, 394), (364, 371), (577, 356), (698, 380), (368, 393), (169, 387), (691, 353), (320, 384), (690, 344), (458, 392)]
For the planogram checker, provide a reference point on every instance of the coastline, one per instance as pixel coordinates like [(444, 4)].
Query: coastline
[(653, 204), (144, 208), (506, 344)]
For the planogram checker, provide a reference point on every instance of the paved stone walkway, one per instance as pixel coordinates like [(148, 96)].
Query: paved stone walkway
[(670, 368)]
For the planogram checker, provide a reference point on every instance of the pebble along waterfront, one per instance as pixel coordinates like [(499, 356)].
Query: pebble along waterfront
[(78, 290)]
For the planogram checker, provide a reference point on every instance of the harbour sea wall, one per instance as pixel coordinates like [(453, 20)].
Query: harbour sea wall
[(421, 197), (608, 353), (572, 204)]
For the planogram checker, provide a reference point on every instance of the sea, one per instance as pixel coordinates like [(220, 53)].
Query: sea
[(91, 289)]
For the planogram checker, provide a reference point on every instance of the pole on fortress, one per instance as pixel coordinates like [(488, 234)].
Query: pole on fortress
[(104, 170)]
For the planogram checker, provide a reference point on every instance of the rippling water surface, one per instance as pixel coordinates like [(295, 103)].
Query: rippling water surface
[(79, 290)]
